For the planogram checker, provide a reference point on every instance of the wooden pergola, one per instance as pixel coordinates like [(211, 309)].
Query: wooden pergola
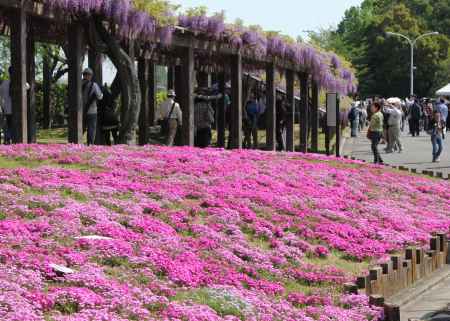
[(27, 22)]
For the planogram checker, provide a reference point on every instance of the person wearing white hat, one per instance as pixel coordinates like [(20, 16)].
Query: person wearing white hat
[(171, 117), (91, 93)]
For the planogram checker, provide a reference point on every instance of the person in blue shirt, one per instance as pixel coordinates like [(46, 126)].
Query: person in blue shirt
[(442, 108)]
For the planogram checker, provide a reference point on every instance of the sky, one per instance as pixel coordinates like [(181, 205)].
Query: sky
[(291, 17)]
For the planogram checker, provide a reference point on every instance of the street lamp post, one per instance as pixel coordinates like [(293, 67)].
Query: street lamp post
[(412, 43)]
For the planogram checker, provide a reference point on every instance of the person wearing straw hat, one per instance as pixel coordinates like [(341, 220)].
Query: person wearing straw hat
[(171, 117)]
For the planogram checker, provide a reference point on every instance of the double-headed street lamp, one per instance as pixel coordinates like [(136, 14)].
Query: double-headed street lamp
[(412, 43)]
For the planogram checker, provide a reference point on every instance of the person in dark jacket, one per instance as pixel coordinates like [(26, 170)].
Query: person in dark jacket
[(281, 123), (107, 118), (415, 114)]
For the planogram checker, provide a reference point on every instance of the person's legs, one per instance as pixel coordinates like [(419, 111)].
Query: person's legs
[(173, 126), (354, 126), (106, 136), (9, 129), (91, 128), (376, 137), (439, 148), (115, 135), (255, 136), (398, 142), (391, 140)]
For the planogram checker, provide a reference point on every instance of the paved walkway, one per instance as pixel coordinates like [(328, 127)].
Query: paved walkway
[(417, 153), (426, 306)]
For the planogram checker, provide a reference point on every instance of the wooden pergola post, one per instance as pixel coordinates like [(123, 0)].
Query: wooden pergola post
[(75, 59), (46, 86), (152, 91), (143, 66), (236, 101), (304, 112), (95, 62), (271, 113), (315, 118), (221, 111), (185, 92), (19, 74), (31, 79), (290, 122)]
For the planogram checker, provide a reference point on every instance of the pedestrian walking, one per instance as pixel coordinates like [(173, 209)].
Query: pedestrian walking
[(443, 110), (375, 132), (415, 113), (281, 123), (253, 111), (436, 131), (353, 117), (394, 128), (171, 118), (107, 117), (203, 119), (91, 94)]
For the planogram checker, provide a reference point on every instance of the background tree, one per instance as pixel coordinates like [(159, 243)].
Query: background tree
[(382, 62)]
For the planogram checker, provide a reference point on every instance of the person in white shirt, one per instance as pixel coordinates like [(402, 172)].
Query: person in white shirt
[(91, 93), (172, 116), (394, 128)]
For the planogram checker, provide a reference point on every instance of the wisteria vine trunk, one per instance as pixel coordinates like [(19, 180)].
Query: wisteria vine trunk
[(129, 84)]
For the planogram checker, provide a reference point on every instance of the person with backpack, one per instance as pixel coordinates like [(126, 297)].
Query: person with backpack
[(91, 94), (171, 118), (203, 118), (415, 114), (107, 118)]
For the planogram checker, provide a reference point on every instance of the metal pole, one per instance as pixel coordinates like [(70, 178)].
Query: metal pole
[(412, 68)]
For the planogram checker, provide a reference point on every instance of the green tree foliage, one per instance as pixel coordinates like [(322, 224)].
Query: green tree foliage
[(383, 62)]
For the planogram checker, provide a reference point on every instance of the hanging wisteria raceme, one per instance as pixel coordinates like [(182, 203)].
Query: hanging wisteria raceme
[(132, 23), (326, 68)]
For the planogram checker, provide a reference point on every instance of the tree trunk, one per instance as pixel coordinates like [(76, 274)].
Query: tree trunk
[(129, 83)]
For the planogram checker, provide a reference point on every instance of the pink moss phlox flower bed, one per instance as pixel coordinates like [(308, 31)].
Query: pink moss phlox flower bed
[(199, 235)]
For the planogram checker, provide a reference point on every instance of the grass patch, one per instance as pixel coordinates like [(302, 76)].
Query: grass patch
[(338, 260), (221, 301), (80, 197)]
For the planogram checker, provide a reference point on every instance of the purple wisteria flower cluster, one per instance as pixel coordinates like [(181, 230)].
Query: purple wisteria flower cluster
[(132, 22), (181, 234), (326, 68)]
